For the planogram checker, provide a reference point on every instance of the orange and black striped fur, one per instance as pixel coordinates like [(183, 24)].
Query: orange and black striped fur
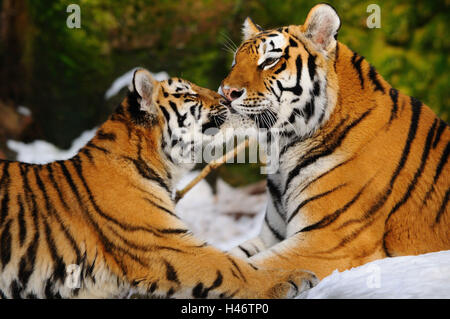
[(363, 169), (107, 214)]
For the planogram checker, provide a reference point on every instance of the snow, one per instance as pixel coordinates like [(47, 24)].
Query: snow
[(125, 79), (225, 219), (233, 215), (23, 110), (423, 276), (42, 152)]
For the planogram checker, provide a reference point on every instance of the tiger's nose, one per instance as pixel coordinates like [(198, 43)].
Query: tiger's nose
[(232, 93)]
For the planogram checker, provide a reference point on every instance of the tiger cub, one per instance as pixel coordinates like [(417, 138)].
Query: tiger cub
[(363, 169), (102, 224)]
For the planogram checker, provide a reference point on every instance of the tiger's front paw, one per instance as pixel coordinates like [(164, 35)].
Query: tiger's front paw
[(292, 284)]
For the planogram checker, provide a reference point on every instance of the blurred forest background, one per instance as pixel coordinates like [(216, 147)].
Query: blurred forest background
[(61, 74)]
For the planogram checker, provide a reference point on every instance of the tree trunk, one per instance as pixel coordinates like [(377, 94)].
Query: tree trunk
[(14, 33)]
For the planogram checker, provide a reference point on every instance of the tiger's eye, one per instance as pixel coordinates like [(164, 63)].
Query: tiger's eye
[(267, 62)]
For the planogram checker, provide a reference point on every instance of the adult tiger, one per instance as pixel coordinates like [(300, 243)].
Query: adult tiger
[(109, 211), (363, 169)]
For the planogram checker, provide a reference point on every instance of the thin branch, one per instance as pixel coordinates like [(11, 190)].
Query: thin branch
[(211, 166)]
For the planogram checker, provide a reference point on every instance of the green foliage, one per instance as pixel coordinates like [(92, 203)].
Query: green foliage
[(72, 68)]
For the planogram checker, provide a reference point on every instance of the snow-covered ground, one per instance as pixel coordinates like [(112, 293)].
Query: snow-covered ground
[(41, 152), (424, 276), (225, 219)]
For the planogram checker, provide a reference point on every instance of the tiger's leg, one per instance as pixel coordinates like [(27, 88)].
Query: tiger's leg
[(319, 253), (272, 232), (186, 269)]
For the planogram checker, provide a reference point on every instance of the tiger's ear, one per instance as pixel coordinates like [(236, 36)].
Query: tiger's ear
[(145, 86), (321, 26), (249, 29)]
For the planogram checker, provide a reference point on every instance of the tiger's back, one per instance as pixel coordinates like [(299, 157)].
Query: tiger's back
[(391, 182)]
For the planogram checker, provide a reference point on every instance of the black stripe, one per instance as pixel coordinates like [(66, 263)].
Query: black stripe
[(148, 173), (442, 208), (292, 42), (356, 62), (192, 110), (416, 110), (161, 207), (5, 175), (173, 231), (153, 287), (180, 118), (4, 184), (307, 201), (137, 115), (56, 186), (373, 76), (91, 144), (49, 290), (324, 174), (26, 265), (309, 109), (443, 160), (440, 130), (311, 66), (4, 208), (101, 135), (171, 273), (245, 251), (16, 290), (165, 113), (316, 90), (70, 182), (393, 93), (21, 221), (144, 247), (336, 57), (275, 194), (88, 154), (59, 267), (202, 292), (297, 88), (237, 268), (281, 68), (217, 282), (5, 245), (273, 230), (327, 138)]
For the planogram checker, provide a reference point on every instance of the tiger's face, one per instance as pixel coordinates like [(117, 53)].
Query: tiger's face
[(189, 116), (281, 78)]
